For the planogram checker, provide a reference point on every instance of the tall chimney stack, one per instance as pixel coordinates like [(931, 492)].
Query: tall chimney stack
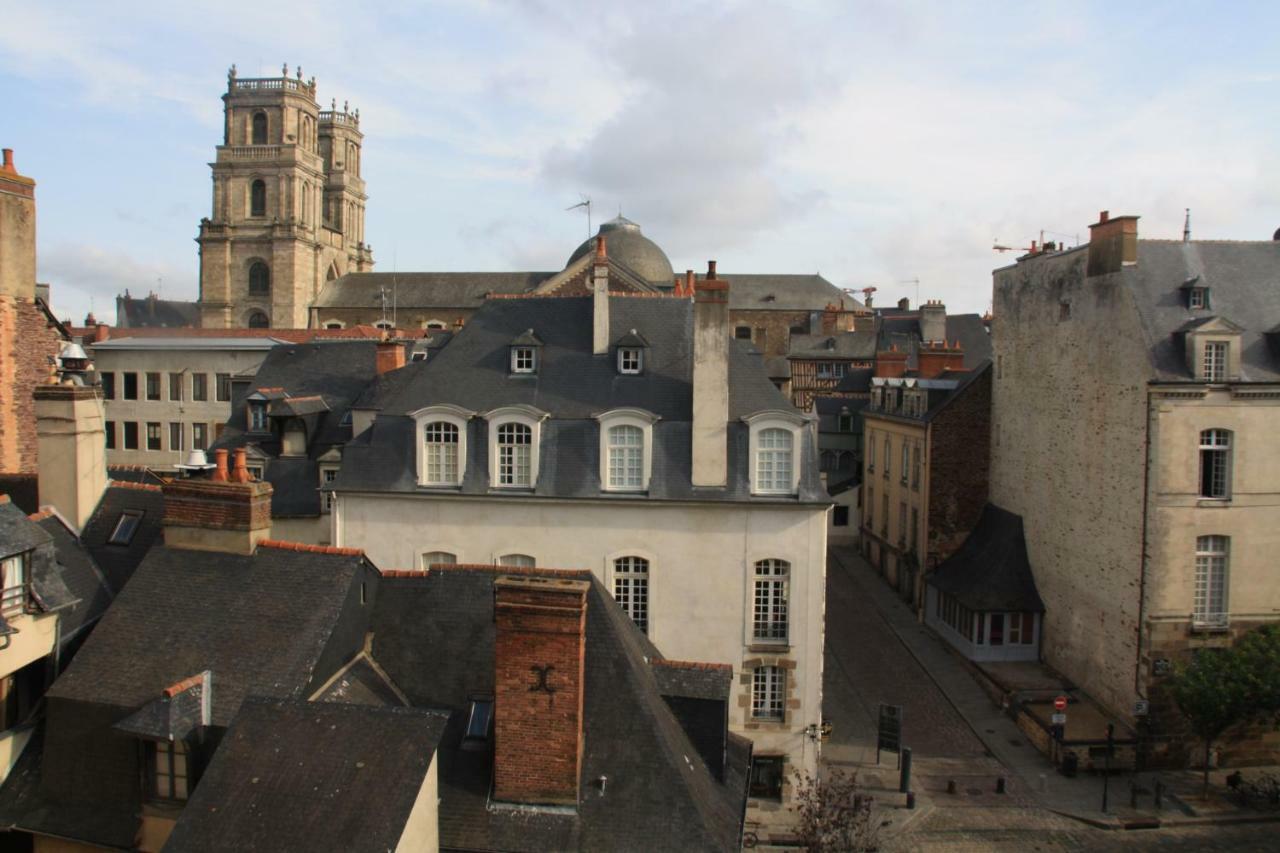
[(711, 380), (539, 655), (933, 321), (600, 299), (227, 512), (390, 356), (1113, 244), (71, 430)]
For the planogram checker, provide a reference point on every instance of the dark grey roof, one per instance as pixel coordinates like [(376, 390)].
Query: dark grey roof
[(362, 682), (1242, 278), (297, 776), (693, 681), (901, 329), (337, 373), (626, 245), (527, 338), (85, 584), (118, 562), (22, 489), (851, 345), (660, 795), (442, 290), (990, 571), (168, 717), (259, 623), (134, 313), (782, 292), (17, 532), (573, 386)]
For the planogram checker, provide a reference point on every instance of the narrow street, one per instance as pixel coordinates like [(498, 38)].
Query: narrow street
[(876, 653)]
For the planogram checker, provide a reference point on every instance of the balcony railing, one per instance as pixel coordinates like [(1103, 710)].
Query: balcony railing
[(13, 599), (340, 117), (251, 152), (268, 84)]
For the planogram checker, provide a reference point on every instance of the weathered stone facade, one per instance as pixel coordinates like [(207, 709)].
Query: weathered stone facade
[(288, 204)]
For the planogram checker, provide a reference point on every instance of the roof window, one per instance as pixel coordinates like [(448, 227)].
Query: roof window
[(126, 527), (524, 353)]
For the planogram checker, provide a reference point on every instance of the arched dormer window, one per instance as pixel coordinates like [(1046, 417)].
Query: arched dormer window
[(258, 198), (259, 128), (626, 449), (774, 451), (442, 445), (259, 279), (259, 320), (515, 434)]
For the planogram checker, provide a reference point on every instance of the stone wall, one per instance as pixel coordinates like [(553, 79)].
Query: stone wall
[(1068, 454), (770, 330)]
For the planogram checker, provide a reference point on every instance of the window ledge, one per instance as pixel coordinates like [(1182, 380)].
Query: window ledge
[(1218, 503), (1206, 628), (770, 646), (441, 487)]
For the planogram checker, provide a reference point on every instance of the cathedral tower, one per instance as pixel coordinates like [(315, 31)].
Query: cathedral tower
[(288, 204)]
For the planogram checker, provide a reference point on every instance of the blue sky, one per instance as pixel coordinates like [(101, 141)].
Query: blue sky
[(876, 143)]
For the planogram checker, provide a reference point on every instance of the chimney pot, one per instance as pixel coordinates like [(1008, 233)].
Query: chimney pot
[(220, 466), (1103, 216), (711, 270), (389, 356), (601, 252), (8, 161), (101, 331), (241, 472)]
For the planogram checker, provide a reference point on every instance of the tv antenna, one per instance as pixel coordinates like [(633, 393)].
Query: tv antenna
[(585, 203)]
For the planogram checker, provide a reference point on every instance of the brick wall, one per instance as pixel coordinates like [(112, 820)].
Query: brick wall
[(539, 654), (219, 506), (27, 342), (959, 462)]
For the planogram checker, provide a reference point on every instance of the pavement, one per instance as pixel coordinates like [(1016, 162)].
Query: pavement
[(877, 652)]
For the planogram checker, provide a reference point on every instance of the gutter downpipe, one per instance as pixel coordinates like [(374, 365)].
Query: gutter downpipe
[(1142, 561)]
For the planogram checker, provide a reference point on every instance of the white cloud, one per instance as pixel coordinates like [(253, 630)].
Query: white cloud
[(85, 277)]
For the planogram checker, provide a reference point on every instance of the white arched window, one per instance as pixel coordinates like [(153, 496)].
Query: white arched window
[(441, 448), (438, 558), (626, 449), (631, 589), (775, 452), (514, 434), (522, 561), (442, 445), (769, 601)]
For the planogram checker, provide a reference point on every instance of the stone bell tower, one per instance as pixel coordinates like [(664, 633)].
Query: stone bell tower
[(288, 204)]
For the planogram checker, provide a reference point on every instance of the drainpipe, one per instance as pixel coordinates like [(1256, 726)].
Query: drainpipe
[(1142, 556)]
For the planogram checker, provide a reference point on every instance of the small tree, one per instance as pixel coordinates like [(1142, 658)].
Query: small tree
[(832, 815), (1223, 687)]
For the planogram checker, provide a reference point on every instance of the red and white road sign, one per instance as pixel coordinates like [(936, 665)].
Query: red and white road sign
[(1060, 703)]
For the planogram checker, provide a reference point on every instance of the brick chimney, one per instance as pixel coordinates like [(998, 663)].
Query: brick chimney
[(711, 380), (933, 321), (390, 356), (936, 357), (600, 299), (71, 431), (891, 363), (227, 512), (1113, 244), (539, 654)]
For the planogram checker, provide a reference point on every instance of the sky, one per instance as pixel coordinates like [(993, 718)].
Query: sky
[(884, 144)]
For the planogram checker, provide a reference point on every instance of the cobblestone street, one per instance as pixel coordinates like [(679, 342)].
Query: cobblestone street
[(877, 653)]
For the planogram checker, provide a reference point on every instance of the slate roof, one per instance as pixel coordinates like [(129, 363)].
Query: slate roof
[(84, 583), (692, 680), (259, 623), (573, 386), (150, 311), (118, 562), (441, 290), (319, 381), (853, 345), (660, 794), (1241, 277), (782, 292), (990, 571), (902, 329), (17, 532), (297, 776)]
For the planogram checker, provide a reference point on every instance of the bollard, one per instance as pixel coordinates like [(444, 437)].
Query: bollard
[(904, 776), (951, 786), (1159, 798), (911, 799), (1000, 785)]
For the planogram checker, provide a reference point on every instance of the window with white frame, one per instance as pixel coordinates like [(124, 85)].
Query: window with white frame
[(1195, 298), (768, 692), (168, 770), (258, 416), (1215, 464), (328, 476), (871, 451), (631, 589), (626, 457), (915, 467), (438, 558), (773, 460), (630, 359), (1215, 361), (522, 561), (524, 359), (13, 583), (515, 455), (769, 608), (441, 448), (1212, 553)]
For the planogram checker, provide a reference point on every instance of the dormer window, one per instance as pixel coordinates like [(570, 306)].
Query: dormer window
[(1197, 298), (774, 452), (1215, 361), (257, 416), (626, 449), (442, 445), (524, 353), (514, 437), (630, 359)]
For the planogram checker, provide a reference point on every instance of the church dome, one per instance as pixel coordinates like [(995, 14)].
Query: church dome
[(626, 245)]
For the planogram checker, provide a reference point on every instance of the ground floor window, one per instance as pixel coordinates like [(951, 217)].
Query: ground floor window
[(767, 773), (768, 692)]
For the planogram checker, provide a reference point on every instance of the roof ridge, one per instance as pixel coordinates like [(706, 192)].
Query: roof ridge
[(40, 515), (690, 664), (284, 545), (128, 484)]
